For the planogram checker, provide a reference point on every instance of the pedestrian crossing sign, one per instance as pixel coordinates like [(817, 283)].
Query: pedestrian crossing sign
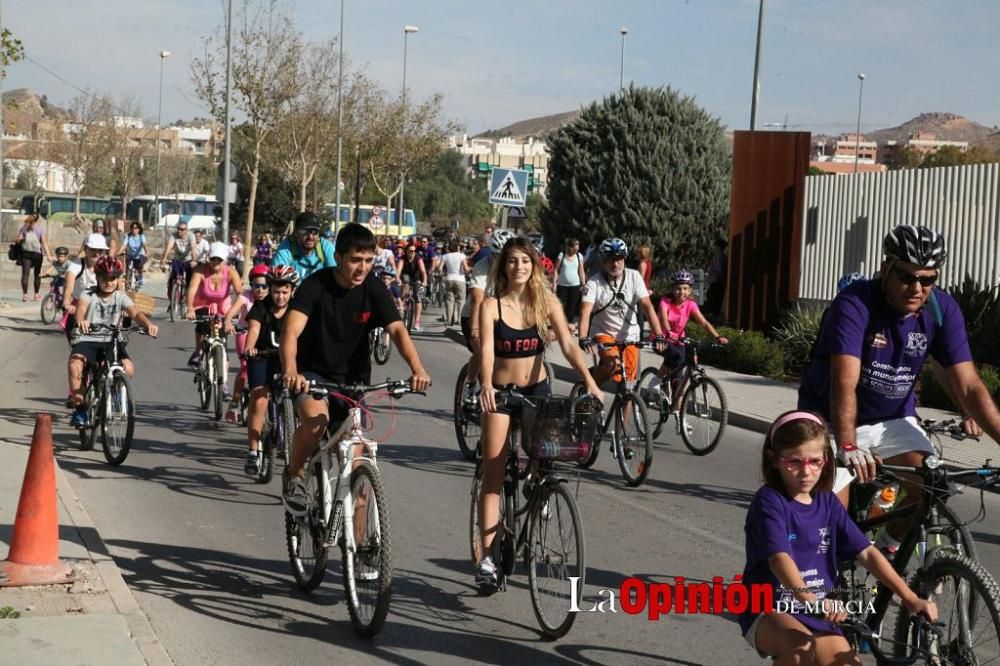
[(509, 187)]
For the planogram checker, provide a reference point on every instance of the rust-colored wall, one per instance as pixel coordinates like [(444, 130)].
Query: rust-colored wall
[(769, 170)]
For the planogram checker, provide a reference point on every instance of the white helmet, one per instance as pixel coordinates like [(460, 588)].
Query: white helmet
[(218, 250), (500, 238)]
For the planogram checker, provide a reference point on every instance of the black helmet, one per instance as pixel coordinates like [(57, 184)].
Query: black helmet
[(307, 220), (62, 249), (919, 246)]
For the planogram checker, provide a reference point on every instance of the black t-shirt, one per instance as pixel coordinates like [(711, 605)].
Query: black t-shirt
[(334, 343), (270, 326)]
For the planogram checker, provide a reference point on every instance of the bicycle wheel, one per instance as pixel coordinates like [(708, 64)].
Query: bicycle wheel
[(50, 309), (305, 536), (475, 534), (267, 454), (657, 403), (381, 346), (219, 398), (575, 392), (408, 313), (703, 415), (968, 602), (468, 428), (88, 434), (170, 303), (633, 439), (555, 554), (289, 422), (368, 571), (118, 421)]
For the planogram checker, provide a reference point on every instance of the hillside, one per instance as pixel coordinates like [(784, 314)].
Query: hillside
[(539, 127), (945, 126), (22, 107)]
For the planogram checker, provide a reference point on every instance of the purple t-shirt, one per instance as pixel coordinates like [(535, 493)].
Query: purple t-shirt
[(892, 350), (816, 536)]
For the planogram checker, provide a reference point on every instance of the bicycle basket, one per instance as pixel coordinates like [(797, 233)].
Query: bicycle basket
[(553, 429)]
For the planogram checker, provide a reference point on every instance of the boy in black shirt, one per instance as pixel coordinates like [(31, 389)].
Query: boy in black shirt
[(326, 338)]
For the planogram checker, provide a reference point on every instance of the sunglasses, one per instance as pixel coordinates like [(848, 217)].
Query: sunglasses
[(309, 232), (259, 285), (908, 278), (797, 464), (182, 229)]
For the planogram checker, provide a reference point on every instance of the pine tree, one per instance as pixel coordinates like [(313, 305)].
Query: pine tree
[(646, 165)]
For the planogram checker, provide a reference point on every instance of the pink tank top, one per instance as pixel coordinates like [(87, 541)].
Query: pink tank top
[(206, 296), (677, 316)]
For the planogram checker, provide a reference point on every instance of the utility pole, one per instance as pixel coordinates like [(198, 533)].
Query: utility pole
[(756, 69), (227, 166), (340, 116)]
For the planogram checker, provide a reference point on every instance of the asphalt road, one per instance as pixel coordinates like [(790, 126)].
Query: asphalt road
[(202, 547)]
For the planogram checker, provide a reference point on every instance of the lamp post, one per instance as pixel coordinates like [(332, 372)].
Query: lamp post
[(621, 73), (857, 135), (756, 69), (159, 122), (340, 113), (227, 132), (407, 29)]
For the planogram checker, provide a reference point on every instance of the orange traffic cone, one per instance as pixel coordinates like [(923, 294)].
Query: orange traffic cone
[(34, 551)]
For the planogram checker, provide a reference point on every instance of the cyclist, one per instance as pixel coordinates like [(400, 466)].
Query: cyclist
[(515, 327), (478, 279), (608, 314), (257, 291), (265, 322), (305, 251), (201, 247), (413, 273), (326, 337), (80, 278), (105, 305), (675, 311), (208, 294), (59, 266), (869, 352), (388, 276), (134, 250), (180, 250)]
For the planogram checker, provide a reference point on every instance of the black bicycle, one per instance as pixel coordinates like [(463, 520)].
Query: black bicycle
[(546, 532), (280, 422), (627, 422), (702, 412), (52, 304), (967, 597), (107, 395)]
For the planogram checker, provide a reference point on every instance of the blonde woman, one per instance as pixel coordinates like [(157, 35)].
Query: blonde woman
[(514, 324)]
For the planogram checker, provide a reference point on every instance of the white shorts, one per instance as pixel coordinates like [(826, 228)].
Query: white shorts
[(751, 636), (885, 440)]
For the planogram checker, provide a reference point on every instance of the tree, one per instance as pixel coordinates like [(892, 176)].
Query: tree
[(11, 50), (944, 156), (906, 158), (83, 148), (266, 50), (124, 146), (444, 191), (645, 165)]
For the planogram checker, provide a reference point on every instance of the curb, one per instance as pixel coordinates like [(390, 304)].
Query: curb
[(141, 630)]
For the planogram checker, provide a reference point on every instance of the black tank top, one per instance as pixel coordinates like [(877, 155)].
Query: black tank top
[(515, 342)]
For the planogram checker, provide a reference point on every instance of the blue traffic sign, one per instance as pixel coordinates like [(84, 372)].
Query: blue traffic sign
[(509, 187)]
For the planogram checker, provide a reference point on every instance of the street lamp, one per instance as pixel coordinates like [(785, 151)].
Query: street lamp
[(621, 74), (857, 135), (407, 29), (756, 68), (159, 122), (340, 114)]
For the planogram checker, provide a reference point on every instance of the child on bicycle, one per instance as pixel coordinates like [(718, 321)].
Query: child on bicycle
[(256, 291), (265, 322), (675, 310), (59, 266), (106, 306), (797, 531), (514, 327), (388, 275)]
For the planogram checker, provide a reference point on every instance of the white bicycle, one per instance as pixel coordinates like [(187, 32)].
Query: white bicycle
[(352, 514)]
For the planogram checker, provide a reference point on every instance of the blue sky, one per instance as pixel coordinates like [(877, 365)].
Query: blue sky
[(499, 62)]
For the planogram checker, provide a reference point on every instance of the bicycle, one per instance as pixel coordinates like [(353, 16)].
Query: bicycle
[(131, 278), (437, 289), (703, 412), (466, 413), (107, 395), (381, 345), (330, 516), (280, 421), (177, 296), (52, 304), (632, 449), (550, 511), (945, 573), (212, 375)]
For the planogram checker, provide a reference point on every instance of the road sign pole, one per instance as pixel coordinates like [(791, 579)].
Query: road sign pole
[(504, 213)]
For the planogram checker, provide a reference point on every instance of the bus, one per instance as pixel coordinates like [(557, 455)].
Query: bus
[(388, 222), (197, 210), (59, 207)]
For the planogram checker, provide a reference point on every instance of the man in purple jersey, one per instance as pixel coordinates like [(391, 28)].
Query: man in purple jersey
[(871, 347)]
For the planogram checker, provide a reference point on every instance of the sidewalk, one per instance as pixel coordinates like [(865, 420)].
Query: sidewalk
[(95, 619), (755, 402)]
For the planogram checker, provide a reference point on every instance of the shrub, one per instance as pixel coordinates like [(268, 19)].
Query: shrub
[(748, 352), (981, 308), (795, 336), (932, 394)]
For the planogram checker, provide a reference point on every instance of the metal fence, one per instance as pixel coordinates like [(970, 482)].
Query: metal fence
[(846, 218)]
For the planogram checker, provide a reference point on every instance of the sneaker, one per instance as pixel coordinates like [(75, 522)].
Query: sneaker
[(38, 297), (24, 298), (227, 395), (416, 326), (486, 576), (195, 359), (295, 498), (231, 414), (79, 418), (252, 466)]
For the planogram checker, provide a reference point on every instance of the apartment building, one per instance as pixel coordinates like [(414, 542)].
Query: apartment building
[(481, 155)]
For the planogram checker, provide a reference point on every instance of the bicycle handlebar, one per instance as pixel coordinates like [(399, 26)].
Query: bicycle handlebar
[(948, 427), (265, 353), (395, 387), (932, 467), (141, 330)]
